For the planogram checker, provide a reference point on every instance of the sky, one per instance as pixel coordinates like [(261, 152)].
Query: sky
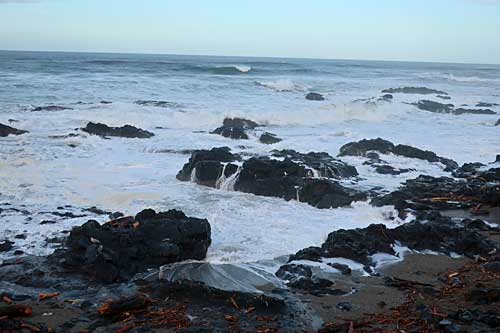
[(412, 30)]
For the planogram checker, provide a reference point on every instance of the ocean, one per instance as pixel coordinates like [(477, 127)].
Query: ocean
[(44, 171)]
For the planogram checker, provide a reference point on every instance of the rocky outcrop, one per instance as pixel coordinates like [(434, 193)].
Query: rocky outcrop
[(413, 90), (235, 128), (290, 177), (460, 111), (430, 193), (361, 148), (312, 96), (126, 131), (269, 138), (431, 231), (118, 249), (7, 130)]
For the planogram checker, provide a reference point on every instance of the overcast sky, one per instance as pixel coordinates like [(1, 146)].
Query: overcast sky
[(416, 30)]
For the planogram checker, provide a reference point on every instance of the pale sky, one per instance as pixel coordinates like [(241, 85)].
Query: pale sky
[(414, 30)]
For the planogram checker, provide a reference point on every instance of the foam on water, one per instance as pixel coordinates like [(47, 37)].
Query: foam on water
[(127, 175)]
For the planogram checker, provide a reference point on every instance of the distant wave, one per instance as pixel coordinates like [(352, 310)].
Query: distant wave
[(455, 78), (223, 69), (281, 85), (106, 62)]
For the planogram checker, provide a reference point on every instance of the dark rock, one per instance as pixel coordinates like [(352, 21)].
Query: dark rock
[(207, 160), (486, 105), (312, 96), (68, 215), (484, 296), (413, 90), (6, 246), (126, 131), (159, 104), (387, 97), (429, 232), (497, 123), (460, 111), (325, 165), (117, 250), (344, 306), (97, 211), (13, 121), (444, 97), (18, 252), (389, 170), (44, 222), (269, 138), (430, 193), (436, 107), (362, 147), (51, 108), (106, 102), (7, 130), (493, 266), (20, 236), (301, 277), (231, 132), (344, 269), (240, 122)]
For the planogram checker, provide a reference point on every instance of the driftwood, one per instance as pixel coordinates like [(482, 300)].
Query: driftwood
[(15, 311), (117, 307)]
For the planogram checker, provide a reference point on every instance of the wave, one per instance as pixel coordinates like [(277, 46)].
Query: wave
[(281, 85), (455, 78), (220, 69)]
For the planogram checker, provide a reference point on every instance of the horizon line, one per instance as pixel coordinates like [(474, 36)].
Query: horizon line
[(243, 56)]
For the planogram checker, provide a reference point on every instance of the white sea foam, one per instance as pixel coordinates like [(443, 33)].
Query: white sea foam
[(282, 85)]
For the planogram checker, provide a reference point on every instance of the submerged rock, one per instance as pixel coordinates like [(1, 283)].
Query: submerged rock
[(443, 97), (118, 249), (364, 146), (6, 246), (269, 138), (312, 96), (486, 105), (414, 90), (126, 131), (460, 111), (160, 104), (435, 107), (7, 130), (387, 97), (51, 108)]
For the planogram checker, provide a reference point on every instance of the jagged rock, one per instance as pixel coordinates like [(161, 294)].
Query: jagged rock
[(312, 96), (436, 107), (301, 277), (431, 231), (413, 90), (240, 122), (117, 250), (362, 147), (126, 131), (7, 130), (269, 138), (6, 246), (426, 193), (344, 269), (51, 108)]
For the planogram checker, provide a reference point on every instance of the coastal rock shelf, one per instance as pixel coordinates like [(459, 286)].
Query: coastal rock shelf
[(285, 174), (126, 131)]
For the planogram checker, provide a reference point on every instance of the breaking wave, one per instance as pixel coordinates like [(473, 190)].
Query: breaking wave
[(282, 85)]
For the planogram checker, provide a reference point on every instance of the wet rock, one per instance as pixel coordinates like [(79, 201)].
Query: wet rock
[(484, 295), (460, 111), (324, 164), (389, 170), (362, 147), (106, 102), (301, 277), (344, 306), (414, 90), (312, 96), (269, 138), (431, 193), (443, 97), (212, 161), (387, 97), (6, 246), (159, 104), (344, 269), (126, 131), (497, 123), (436, 107), (429, 232), (486, 105), (51, 108), (118, 249), (493, 266), (234, 128), (7, 130)]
